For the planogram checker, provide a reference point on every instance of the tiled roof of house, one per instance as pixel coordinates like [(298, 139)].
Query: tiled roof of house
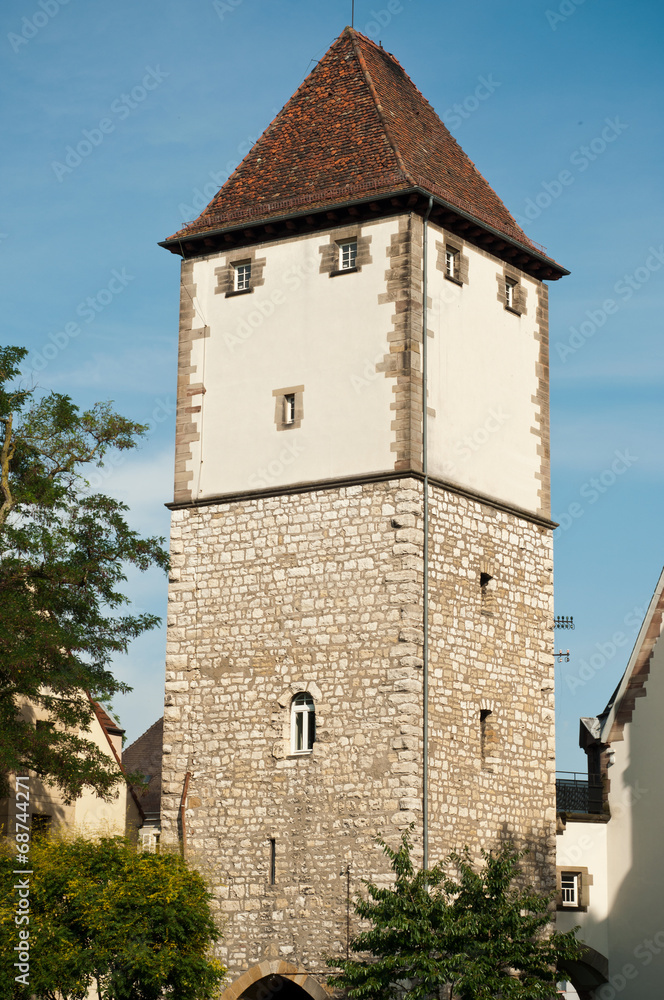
[(108, 724), (356, 127)]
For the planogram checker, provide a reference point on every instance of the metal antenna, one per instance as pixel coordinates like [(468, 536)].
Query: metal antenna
[(352, 14)]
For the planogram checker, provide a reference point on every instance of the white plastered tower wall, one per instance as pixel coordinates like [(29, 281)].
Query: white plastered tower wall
[(299, 328), (307, 576), (488, 385)]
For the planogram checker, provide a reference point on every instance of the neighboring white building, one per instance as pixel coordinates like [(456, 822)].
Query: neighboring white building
[(612, 857), (88, 813)]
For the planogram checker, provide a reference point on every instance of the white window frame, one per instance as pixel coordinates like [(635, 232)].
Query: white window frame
[(303, 723), (348, 255), (452, 259), (570, 892), (289, 408), (149, 840), (242, 276)]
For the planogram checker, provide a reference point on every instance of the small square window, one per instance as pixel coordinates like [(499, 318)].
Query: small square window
[(452, 257), (347, 255), (569, 885), (288, 407), (241, 277)]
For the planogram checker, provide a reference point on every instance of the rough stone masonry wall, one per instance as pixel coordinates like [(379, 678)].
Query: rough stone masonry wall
[(318, 592), (322, 591), (491, 652)]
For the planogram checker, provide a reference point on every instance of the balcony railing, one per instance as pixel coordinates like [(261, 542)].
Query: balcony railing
[(578, 793)]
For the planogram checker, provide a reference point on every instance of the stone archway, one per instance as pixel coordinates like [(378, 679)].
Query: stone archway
[(276, 981), (588, 974)]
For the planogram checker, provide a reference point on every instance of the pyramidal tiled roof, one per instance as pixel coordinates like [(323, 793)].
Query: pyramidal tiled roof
[(356, 127)]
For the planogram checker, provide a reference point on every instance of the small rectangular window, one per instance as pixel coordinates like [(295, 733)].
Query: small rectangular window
[(241, 277), (289, 408), (347, 255), (509, 293), (569, 884), (452, 263)]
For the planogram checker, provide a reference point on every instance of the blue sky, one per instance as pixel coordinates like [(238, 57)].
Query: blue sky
[(170, 95)]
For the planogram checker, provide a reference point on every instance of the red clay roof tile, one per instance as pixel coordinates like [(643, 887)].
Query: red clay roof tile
[(356, 126)]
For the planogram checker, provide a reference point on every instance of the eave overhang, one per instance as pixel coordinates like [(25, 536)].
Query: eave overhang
[(452, 218)]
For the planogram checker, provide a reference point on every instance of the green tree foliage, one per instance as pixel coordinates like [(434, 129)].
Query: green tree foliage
[(133, 926), (474, 935), (63, 554)]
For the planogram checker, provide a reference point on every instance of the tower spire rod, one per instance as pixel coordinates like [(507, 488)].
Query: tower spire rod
[(352, 13)]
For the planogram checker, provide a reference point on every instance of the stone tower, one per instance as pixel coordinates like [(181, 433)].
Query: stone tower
[(361, 605)]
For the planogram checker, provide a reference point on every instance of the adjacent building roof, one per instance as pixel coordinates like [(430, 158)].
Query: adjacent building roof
[(144, 756), (622, 703), (356, 128), (105, 721)]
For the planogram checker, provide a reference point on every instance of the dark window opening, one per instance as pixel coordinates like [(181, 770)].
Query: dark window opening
[(273, 861), (41, 824), (487, 586), (484, 715)]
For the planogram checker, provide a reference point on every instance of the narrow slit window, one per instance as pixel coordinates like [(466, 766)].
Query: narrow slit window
[(510, 293), (289, 408), (347, 255), (273, 861), (485, 733), (569, 884), (452, 263), (303, 723), (487, 587), (242, 277)]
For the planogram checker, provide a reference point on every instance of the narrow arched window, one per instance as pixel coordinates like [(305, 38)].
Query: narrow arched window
[(303, 723)]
